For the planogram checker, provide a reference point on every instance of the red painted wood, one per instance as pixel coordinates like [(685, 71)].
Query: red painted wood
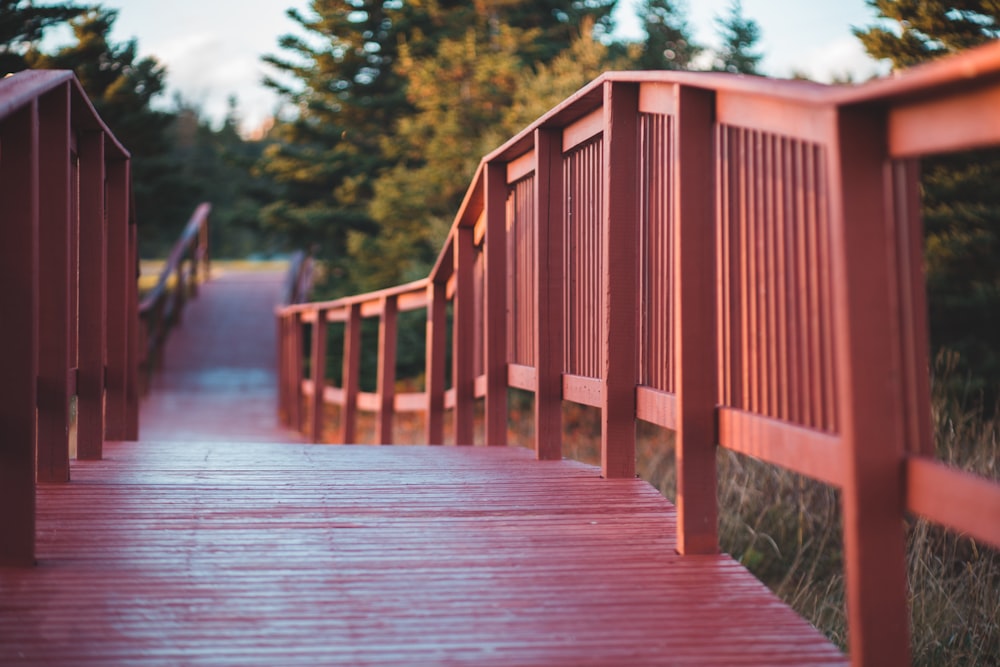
[(495, 304), (120, 273), (549, 334), (463, 336), (694, 295), (54, 282), (619, 231), (437, 341), (871, 407), (132, 388), (265, 554), (318, 375), (352, 375), (19, 266), (386, 389), (92, 319)]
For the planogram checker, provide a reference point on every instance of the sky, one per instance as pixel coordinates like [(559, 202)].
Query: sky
[(212, 48)]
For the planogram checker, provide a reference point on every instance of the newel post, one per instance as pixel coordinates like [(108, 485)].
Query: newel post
[(55, 216), (549, 276), (495, 329), (464, 332), (869, 400), (317, 367), (92, 319), (437, 339), (19, 334), (694, 321), (619, 229), (386, 370)]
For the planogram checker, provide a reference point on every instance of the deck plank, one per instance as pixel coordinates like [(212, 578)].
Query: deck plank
[(216, 553)]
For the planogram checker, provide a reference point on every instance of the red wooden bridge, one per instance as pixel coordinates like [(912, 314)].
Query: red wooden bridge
[(734, 259)]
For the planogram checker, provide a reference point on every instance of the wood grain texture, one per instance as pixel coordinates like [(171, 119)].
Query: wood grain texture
[(214, 553)]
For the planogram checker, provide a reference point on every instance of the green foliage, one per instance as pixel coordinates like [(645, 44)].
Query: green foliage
[(960, 198), (740, 36), (668, 43), (22, 26)]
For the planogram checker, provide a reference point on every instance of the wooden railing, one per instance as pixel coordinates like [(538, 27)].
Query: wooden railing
[(736, 259), (162, 307), (68, 313)]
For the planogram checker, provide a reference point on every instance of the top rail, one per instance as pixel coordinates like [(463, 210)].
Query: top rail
[(163, 306), (68, 257), (733, 258)]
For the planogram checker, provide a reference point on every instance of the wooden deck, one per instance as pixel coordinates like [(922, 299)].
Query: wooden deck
[(180, 550)]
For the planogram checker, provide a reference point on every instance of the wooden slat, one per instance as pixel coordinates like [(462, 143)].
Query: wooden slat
[(582, 130), (121, 272), (351, 375), (521, 377), (260, 554), (806, 451), (318, 372), (954, 123), (368, 401), (410, 402), (463, 336), (437, 342), (520, 167), (333, 395), (959, 500), (657, 407), (582, 390), (495, 306), (387, 338)]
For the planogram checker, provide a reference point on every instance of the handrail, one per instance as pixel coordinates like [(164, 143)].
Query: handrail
[(162, 307), (68, 257), (298, 278), (733, 258)]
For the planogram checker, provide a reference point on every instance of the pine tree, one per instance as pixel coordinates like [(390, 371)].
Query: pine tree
[(354, 119), (961, 201), (668, 43), (22, 25), (740, 36), (122, 87)]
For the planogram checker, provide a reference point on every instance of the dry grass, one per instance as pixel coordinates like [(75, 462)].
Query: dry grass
[(786, 528)]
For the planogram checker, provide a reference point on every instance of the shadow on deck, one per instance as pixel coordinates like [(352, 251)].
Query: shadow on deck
[(204, 544)]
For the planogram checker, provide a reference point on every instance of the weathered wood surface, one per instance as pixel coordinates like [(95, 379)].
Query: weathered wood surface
[(212, 553), (219, 380)]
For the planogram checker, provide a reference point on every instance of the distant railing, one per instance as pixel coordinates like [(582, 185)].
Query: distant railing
[(68, 308), (162, 307), (736, 259)]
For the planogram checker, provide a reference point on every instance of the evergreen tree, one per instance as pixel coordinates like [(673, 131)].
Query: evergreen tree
[(668, 42), (352, 124), (960, 195), (740, 36), (122, 87), (22, 25)]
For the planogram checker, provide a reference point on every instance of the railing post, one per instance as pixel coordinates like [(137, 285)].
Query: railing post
[(92, 317), (619, 229), (351, 375), (463, 338), (19, 334), (495, 304), (437, 339), (55, 210), (318, 372), (867, 373), (549, 275), (117, 284), (694, 299), (295, 372), (135, 335), (386, 370), (281, 327)]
